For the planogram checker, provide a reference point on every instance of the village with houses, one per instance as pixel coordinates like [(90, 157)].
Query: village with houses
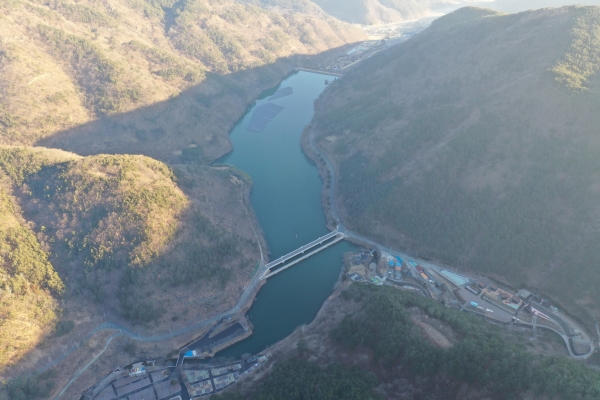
[(479, 296)]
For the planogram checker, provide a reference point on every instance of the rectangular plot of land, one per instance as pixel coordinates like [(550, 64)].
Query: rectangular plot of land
[(195, 376), (218, 371), (165, 389), (106, 394), (457, 279), (223, 381), (126, 381), (146, 394), (133, 386), (201, 388)]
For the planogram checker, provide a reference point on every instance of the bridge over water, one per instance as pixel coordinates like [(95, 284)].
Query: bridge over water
[(312, 248)]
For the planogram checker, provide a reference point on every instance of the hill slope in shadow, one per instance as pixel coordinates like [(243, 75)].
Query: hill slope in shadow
[(476, 143)]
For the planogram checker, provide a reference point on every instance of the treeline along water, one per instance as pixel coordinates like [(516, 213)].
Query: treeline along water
[(286, 197)]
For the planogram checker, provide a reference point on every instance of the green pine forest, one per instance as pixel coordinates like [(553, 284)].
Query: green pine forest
[(470, 164)]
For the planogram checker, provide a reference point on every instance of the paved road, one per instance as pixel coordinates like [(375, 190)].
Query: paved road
[(262, 258), (318, 71), (568, 340), (123, 331)]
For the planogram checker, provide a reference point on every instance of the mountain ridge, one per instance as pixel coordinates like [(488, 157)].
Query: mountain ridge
[(65, 64), (472, 143)]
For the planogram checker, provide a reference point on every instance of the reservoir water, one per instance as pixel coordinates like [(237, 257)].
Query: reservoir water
[(286, 196)]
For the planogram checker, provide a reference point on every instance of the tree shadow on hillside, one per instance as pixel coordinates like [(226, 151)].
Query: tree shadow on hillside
[(202, 115)]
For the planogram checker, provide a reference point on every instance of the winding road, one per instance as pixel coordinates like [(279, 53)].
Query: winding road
[(568, 341)]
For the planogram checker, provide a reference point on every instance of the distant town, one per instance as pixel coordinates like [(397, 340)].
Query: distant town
[(381, 38)]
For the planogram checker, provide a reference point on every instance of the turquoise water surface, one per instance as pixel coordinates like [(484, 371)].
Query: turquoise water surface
[(286, 197)]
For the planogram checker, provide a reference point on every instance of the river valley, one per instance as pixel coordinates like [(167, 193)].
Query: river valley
[(286, 198)]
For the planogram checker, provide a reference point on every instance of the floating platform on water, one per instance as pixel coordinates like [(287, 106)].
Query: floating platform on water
[(283, 92), (262, 116)]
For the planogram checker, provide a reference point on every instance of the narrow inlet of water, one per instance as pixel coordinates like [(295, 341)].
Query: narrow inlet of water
[(286, 196)]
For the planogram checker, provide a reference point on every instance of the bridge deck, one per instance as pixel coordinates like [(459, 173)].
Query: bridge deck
[(302, 249), (318, 249)]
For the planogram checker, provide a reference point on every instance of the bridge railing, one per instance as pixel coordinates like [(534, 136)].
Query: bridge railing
[(305, 247), (269, 273)]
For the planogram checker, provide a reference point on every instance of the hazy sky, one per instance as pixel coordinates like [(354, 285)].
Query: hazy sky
[(523, 5)]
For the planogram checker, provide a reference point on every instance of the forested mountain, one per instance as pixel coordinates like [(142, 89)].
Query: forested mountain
[(29, 284), (163, 78), (64, 63), (116, 232), (476, 143)]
